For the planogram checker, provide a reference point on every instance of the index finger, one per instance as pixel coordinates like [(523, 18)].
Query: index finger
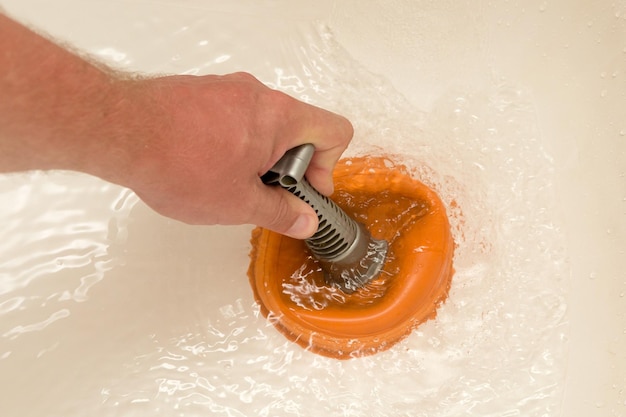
[(330, 133)]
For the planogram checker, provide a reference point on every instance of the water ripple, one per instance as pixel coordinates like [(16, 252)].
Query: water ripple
[(21, 329)]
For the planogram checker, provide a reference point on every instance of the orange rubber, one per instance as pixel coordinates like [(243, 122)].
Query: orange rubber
[(289, 284)]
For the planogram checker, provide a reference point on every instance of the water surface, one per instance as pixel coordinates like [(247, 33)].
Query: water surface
[(109, 309)]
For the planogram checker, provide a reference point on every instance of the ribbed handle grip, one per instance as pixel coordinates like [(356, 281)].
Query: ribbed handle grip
[(349, 255)]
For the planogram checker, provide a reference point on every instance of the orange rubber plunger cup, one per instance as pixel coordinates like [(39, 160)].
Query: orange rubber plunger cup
[(290, 285)]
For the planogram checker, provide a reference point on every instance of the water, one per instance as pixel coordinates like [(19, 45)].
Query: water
[(108, 309)]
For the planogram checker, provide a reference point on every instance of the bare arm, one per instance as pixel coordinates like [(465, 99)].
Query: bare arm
[(191, 147)]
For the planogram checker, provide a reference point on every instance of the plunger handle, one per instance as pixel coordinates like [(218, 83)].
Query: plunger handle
[(290, 169), (349, 255)]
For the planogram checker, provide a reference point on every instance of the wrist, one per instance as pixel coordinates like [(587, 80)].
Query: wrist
[(130, 135), (114, 135)]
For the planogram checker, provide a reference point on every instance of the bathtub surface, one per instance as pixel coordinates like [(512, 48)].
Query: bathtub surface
[(569, 57)]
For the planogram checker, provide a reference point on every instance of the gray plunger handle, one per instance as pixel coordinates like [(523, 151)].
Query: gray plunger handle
[(336, 232), (348, 253)]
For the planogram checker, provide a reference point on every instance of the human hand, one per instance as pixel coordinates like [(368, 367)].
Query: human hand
[(193, 148), (208, 140)]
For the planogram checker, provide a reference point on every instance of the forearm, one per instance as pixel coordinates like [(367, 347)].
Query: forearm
[(57, 110)]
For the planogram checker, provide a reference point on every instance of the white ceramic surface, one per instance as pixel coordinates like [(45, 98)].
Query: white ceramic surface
[(82, 349)]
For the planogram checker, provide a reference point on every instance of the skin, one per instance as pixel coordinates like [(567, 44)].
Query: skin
[(191, 147)]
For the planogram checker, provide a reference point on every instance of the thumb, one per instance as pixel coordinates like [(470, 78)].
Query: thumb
[(278, 210)]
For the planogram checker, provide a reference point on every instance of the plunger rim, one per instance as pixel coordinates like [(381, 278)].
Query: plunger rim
[(412, 299)]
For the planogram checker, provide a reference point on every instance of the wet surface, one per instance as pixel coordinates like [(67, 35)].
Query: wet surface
[(109, 309)]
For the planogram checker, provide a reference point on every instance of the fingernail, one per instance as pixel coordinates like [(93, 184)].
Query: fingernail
[(302, 228)]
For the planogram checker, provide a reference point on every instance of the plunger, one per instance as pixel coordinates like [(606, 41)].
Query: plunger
[(356, 287)]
